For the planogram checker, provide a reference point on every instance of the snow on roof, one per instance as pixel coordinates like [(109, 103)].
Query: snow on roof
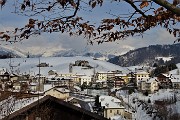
[(51, 76), (80, 74), (110, 102), (150, 80), (33, 84), (102, 72), (85, 77), (82, 97), (120, 75), (77, 88), (175, 78), (63, 90), (78, 105), (63, 78), (166, 75), (143, 80), (141, 72)]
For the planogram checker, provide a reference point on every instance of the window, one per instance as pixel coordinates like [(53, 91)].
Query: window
[(110, 111)]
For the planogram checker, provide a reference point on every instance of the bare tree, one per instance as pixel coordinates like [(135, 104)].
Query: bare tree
[(62, 16)]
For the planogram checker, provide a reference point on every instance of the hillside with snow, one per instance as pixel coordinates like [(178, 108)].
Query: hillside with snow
[(60, 64), (7, 52), (160, 54), (10, 52)]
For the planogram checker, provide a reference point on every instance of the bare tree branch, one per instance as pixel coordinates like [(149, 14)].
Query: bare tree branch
[(168, 6), (134, 6)]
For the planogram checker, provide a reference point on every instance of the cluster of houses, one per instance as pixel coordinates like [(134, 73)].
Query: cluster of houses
[(67, 87)]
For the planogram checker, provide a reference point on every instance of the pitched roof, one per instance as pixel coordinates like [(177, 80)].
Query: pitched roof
[(175, 78), (150, 80), (110, 102), (59, 103), (62, 90)]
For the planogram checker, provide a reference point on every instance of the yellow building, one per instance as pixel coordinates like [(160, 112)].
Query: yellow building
[(112, 106), (102, 76), (60, 93), (152, 85)]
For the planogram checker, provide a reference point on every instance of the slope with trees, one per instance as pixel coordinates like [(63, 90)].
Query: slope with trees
[(149, 56)]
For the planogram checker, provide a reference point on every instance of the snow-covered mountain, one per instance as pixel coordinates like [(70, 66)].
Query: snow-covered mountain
[(84, 52), (10, 52), (16, 52), (60, 64)]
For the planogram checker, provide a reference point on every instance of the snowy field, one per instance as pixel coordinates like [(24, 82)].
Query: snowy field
[(60, 64)]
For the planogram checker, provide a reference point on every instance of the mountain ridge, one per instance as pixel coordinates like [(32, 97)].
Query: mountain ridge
[(17, 53), (159, 54)]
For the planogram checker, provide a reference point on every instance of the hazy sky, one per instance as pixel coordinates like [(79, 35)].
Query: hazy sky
[(54, 42)]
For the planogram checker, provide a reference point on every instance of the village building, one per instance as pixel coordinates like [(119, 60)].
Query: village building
[(109, 75), (66, 75), (14, 77), (2, 71), (17, 86), (119, 82), (85, 79), (52, 72), (150, 85), (75, 79), (43, 65), (5, 77), (140, 75), (125, 77), (84, 102), (164, 81), (58, 92), (101, 76), (104, 83), (175, 80), (83, 63), (111, 106), (33, 86)]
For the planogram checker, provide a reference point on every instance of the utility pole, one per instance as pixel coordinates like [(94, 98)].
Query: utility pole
[(38, 88), (39, 75)]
